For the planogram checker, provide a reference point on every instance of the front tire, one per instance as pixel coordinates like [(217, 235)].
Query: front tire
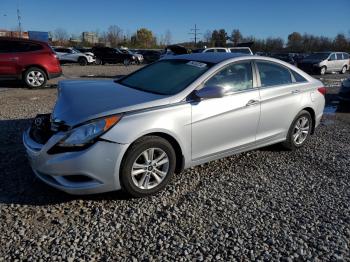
[(126, 62), (299, 131), (343, 70), (323, 70), (34, 77), (148, 166)]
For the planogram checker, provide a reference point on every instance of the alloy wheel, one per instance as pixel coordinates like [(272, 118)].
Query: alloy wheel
[(35, 78), (301, 130), (150, 168)]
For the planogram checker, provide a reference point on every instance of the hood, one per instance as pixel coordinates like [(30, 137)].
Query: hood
[(79, 101)]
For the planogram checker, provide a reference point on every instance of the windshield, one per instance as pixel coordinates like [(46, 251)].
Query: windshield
[(75, 50), (166, 77), (318, 56)]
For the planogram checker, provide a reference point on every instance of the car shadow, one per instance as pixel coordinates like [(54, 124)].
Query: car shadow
[(18, 184), (19, 84)]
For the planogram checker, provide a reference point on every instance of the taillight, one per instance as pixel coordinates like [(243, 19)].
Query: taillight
[(322, 90)]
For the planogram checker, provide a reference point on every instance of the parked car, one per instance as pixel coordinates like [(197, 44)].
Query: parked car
[(241, 50), (286, 57), (344, 92), (323, 62), (139, 57), (71, 55), (173, 50), (31, 61), (149, 56), (112, 56), (136, 132)]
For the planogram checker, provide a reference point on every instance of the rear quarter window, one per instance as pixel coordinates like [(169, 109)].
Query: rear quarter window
[(298, 78)]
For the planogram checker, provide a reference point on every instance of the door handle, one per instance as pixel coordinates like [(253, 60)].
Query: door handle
[(295, 91), (252, 102)]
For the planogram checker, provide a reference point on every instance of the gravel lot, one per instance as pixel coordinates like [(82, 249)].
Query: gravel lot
[(267, 204)]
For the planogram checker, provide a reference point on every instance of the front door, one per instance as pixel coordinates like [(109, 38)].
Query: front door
[(220, 125)]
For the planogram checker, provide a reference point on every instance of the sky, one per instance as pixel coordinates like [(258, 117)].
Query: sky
[(258, 18)]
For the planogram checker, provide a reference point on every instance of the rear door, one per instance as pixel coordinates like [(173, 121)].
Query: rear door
[(281, 98), (332, 62), (339, 62), (8, 59)]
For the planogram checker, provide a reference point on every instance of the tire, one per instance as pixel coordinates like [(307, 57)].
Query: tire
[(323, 70), (34, 77), (343, 70), (292, 143), (82, 61), (126, 62), (98, 61), (148, 178)]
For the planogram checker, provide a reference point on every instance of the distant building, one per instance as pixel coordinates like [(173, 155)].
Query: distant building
[(90, 37), (16, 34)]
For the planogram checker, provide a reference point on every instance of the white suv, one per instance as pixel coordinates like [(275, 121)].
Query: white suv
[(68, 54), (241, 50)]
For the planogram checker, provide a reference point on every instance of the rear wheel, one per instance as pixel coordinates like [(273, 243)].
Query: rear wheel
[(299, 131), (98, 61), (147, 166), (82, 61), (343, 70), (34, 77)]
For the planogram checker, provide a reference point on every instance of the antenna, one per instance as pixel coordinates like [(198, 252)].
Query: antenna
[(194, 31)]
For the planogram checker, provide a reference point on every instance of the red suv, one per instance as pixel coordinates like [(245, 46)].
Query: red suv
[(31, 61)]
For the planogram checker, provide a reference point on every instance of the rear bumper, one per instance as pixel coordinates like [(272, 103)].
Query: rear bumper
[(54, 75), (97, 167)]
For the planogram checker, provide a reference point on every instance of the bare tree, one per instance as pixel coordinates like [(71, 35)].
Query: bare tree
[(114, 35), (60, 36), (236, 37), (207, 36)]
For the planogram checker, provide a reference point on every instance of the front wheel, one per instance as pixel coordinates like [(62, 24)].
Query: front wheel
[(126, 62), (299, 131), (147, 166), (343, 70), (82, 61), (323, 70), (34, 77)]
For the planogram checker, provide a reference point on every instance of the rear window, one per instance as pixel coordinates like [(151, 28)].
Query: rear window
[(166, 77), (298, 78), (346, 56), (340, 56), (272, 74)]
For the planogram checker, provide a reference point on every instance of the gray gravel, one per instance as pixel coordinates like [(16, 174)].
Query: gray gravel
[(268, 204)]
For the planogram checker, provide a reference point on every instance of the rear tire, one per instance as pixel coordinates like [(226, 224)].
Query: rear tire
[(141, 176), (98, 61), (82, 61), (34, 77), (299, 131)]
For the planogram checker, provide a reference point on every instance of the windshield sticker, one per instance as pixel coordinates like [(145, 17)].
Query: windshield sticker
[(197, 64)]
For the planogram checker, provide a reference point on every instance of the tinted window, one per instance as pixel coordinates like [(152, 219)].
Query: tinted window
[(272, 74), (346, 55), (234, 78), (318, 56), (166, 77), (6, 46), (340, 56), (221, 50), (240, 50), (298, 78)]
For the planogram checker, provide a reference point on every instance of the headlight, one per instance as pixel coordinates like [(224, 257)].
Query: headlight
[(133, 57), (87, 133)]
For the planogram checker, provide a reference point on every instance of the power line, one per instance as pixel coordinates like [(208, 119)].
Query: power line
[(19, 20), (194, 31)]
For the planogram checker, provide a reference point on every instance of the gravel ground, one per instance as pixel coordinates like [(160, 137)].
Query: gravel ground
[(267, 204)]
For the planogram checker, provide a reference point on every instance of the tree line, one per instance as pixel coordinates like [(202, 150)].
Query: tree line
[(114, 36)]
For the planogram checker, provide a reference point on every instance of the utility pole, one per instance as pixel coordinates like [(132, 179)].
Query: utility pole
[(195, 33), (19, 21)]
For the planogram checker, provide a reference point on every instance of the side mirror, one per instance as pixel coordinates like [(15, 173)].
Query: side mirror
[(210, 92)]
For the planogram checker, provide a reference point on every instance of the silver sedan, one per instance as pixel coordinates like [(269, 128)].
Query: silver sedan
[(134, 133)]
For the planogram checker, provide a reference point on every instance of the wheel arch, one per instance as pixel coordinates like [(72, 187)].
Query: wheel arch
[(313, 117), (34, 65), (180, 159)]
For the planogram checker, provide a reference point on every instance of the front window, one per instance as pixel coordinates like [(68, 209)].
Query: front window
[(233, 78), (166, 77)]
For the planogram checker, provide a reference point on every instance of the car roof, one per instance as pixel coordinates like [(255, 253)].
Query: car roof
[(208, 57)]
